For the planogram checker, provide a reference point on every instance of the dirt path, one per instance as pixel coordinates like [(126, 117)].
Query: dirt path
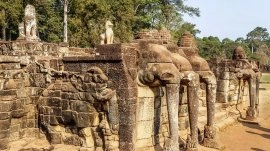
[(251, 137)]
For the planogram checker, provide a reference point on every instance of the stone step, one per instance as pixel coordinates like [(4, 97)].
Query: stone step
[(219, 116), (223, 119), (203, 109)]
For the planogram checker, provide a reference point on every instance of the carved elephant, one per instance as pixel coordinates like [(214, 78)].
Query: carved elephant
[(163, 68)]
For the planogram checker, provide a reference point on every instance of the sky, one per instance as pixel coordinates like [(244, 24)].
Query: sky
[(229, 18)]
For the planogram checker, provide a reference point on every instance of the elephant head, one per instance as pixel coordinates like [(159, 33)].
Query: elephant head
[(158, 69)]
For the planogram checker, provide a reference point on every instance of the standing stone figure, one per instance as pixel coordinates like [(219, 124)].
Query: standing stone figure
[(107, 37), (28, 28)]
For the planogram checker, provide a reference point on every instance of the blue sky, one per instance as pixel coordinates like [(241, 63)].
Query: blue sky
[(230, 18)]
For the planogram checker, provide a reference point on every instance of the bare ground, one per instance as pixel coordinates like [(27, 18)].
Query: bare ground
[(251, 137)]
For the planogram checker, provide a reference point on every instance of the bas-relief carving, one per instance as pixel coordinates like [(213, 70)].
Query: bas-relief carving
[(81, 111)]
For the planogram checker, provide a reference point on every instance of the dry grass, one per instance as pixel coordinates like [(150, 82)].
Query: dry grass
[(265, 78)]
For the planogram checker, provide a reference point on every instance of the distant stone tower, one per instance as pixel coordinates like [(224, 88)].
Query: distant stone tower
[(187, 40)]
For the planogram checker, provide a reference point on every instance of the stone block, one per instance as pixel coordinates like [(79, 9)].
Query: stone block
[(224, 76), (9, 66), (14, 136), (45, 110), (26, 81), (145, 109), (22, 93), (144, 129), (57, 111), (223, 86), (54, 93), (83, 120), (222, 97), (4, 134), (46, 119), (82, 106), (5, 106), (53, 120), (39, 80), (31, 133), (73, 140), (30, 123), (10, 84), (183, 110), (5, 115), (65, 95), (94, 118), (56, 138), (145, 92), (65, 104), (31, 112), (7, 95), (112, 145), (57, 102), (68, 87), (17, 104), (4, 124), (143, 143), (67, 116), (183, 123), (4, 143), (18, 113)]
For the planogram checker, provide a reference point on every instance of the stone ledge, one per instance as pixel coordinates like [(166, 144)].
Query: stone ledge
[(93, 58)]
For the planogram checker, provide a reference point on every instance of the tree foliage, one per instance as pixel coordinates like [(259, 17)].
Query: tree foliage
[(11, 12), (86, 19)]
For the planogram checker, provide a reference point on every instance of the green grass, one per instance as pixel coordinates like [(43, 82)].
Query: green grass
[(265, 78)]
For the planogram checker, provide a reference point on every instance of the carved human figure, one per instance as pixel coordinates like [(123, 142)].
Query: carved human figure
[(248, 72), (107, 37), (164, 68), (201, 67)]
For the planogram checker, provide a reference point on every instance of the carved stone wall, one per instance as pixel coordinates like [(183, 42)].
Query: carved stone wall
[(26, 48), (163, 35), (92, 98)]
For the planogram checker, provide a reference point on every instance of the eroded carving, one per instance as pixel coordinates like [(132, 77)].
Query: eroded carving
[(248, 72), (170, 70), (107, 37), (28, 28), (201, 67), (82, 111)]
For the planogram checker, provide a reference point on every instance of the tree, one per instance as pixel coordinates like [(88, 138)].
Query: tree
[(209, 47), (50, 19), (263, 54), (65, 21), (185, 27), (162, 13), (256, 37), (11, 12)]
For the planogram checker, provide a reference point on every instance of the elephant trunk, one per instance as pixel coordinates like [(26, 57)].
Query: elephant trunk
[(172, 91)]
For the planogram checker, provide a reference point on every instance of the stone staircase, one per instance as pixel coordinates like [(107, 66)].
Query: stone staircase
[(224, 116)]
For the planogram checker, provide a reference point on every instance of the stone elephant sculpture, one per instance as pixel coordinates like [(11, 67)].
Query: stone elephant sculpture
[(189, 50), (163, 68), (248, 71)]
